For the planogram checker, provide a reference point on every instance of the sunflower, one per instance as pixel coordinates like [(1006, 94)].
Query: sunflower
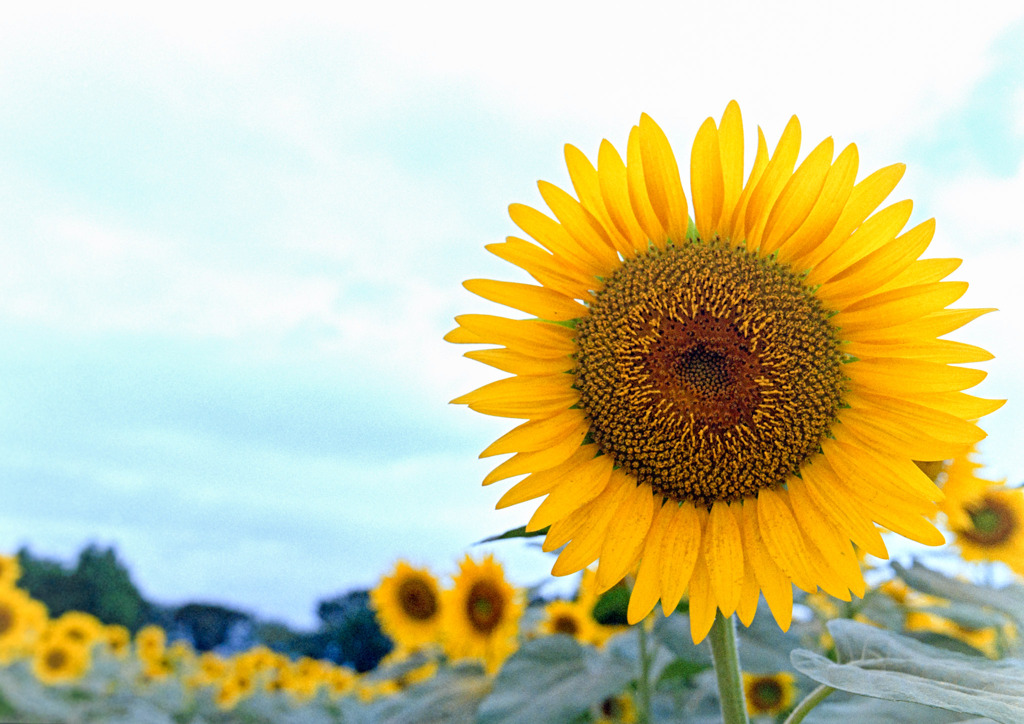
[(481, 613), (10, 571), (408, 605), (78, 627), (985, 640), (986, 518), (616, 710), (15, 623), (150, 642), (724, 404), (118, 639), (58, 661), (571, 618), (769, 694)]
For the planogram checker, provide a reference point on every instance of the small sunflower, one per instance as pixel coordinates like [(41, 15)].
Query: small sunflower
[(408, 605), (15, 623), (570, 618), (10, 571), (985, 640), (769, 694), (481, 613), (726, 403), (59, 661), (78, 627), (986, 518), (150, 642), (118, 639), (617, 710)]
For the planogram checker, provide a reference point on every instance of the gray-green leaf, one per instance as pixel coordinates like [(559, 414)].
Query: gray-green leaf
[(884, 665)]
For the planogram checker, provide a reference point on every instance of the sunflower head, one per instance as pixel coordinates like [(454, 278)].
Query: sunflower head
[(60, 661), (724, 405), (481, 613), (769, 694), (571, 618), (408, 606)]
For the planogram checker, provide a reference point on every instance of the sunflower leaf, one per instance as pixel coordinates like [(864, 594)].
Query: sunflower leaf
[(880, 664), (519, 532), (552, 680), (450, 697)]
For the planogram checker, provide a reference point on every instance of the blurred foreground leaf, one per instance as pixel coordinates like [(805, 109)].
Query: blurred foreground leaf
[(450, 697), (849, 708), (552, 680), (519, 532), (884, 665)]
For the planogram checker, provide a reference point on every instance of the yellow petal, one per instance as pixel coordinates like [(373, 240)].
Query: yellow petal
[(586, 182), (932, 325), (820, 485), (750, 592), (863, 200), (522, 397), (661, 174), (529, 336), (539, 301), (539, 434), (872, 431), (866, 276), (517, 363), (872, 235), (776, 585), (702, 603), (551, 271), (923, 271), (835, 192), (581, 225), (895, 307), (943, 351), (680, 548), (543, 482), (737, 231), (647, 588), (960, 404), (626, 534), (529, 462), (585, 547), (730, 144), (932, 422), (895, 377), (636, 183), (778, 171), (830, 543), (706, 179), (798, 197), (574, 490), (723, 553), (612, 177), (782, 538), (555, 237)]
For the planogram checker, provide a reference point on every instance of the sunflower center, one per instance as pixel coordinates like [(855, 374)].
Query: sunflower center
[(417, 599), (55, 659), (566, 625), (993, 523), (708, 373), (766, 694), (485, 605)]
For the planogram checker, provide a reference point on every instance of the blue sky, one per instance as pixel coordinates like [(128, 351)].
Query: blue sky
[(231, 240)]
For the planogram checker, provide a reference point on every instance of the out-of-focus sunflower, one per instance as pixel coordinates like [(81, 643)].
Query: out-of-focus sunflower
[(150, 642), (571, 618), (985, 640), (619, 709), (57, 661), (408, 605), (729, 402), (10, 571), (481, 613), (769, 694), (118, 639), (15, 623), (986, 518), (76, 626)]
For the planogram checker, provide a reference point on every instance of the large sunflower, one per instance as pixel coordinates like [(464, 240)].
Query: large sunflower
[(728, 402), (408, 605), (481, 613)]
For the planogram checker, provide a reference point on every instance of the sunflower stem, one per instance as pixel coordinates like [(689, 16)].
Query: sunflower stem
[(727, 669), (810, 701), (643, 687)]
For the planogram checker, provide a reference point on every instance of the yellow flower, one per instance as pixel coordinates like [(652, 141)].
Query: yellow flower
[(15, 623), (986, 517), (78, 627), (341, 681), (481, 614), (984, 639), (408, 605), (58, 661), (10, 571), (617, 710), (730, 402), (118, 638), (769, 694), (570, 618), (150, 642)]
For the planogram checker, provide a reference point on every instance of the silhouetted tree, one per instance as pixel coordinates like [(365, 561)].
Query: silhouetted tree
[(207, 625)]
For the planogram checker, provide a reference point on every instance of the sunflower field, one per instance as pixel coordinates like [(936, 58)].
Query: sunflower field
[(745, 426)]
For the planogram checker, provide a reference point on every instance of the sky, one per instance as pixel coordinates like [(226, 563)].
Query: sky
[(232, 237)]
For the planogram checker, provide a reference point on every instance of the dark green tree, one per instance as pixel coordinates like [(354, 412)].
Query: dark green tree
[(207, 625)]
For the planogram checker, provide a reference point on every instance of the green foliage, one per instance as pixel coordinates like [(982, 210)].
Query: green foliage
[(98, 584), (884, 665), (349, 633), (519, 532)]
